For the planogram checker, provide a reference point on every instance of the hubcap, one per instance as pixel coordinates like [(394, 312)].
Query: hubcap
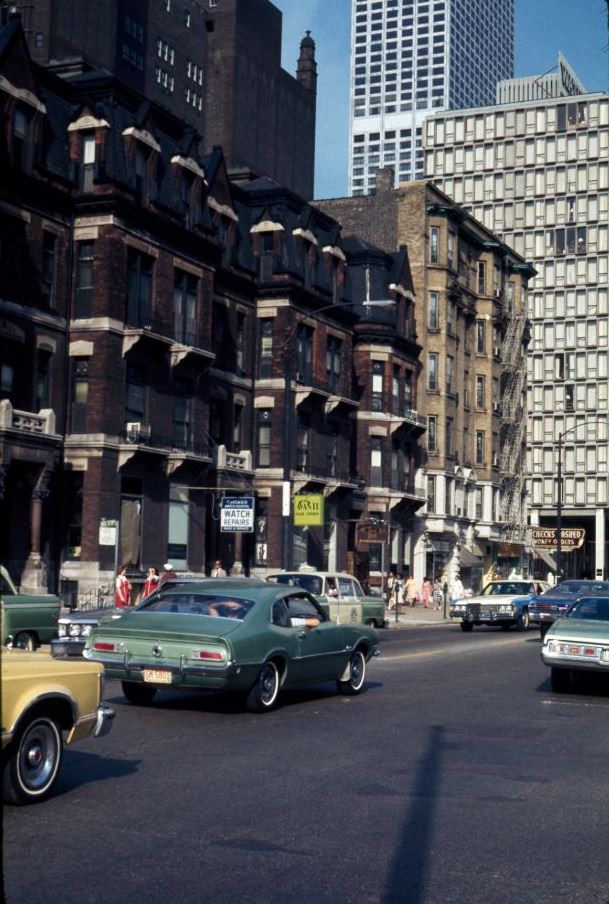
[(268, 684), (38, 756)]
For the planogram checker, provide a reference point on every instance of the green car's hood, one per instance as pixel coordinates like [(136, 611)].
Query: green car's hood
[(579, 629), (170, 625)]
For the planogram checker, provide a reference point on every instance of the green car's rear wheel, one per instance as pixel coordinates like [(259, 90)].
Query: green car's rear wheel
[(141, 694), (357, 675), (25, 641), (467, 626), (263, 695), (32, 761)]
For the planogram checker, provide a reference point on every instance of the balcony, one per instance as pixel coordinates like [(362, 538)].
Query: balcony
[(142, 329), (408, 418), (30, 434), (240, 462), (186, 349), (138, 438)]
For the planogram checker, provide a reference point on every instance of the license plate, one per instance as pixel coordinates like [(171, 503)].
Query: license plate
[(157, 676)]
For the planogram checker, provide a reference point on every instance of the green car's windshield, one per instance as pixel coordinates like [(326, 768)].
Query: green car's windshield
[(590, 608), (212, 604)]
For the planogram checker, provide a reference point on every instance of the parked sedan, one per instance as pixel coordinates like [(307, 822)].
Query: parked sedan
[(578, 641), (546, 608), (242, 635), (28, 620)]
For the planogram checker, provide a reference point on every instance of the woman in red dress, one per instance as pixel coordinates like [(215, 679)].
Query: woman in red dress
[(122, 596), (151, 582)]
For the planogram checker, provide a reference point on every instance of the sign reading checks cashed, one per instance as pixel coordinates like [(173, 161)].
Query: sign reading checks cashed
[(570, 538)]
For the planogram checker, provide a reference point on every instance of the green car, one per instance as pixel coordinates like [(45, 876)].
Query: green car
[(28, 620), (578, 641), (224, 634)]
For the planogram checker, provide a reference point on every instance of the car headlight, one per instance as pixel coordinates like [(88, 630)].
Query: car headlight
[(86, 630), (74, 630), (62, 630)]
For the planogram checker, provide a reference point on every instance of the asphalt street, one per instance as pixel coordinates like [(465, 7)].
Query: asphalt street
[(458, 777)]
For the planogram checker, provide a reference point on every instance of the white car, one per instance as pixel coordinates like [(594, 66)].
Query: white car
[(340, 594), (502, 603)]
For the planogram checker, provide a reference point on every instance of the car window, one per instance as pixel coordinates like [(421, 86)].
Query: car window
[(310, 582), (501, 587), (331, 588), (357, 590), (590, 608), (281, 617), (211, 604), (302, 606), (5, 587), (345, 587)]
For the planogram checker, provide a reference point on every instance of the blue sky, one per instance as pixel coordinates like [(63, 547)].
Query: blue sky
[(578, 28)]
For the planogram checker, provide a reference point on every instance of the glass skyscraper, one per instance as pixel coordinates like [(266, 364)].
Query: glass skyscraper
[(413, 57)]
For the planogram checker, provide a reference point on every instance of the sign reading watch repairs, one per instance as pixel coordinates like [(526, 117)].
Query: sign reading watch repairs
[(237, 515)]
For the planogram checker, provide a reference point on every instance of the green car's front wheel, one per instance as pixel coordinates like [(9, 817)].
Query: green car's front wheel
[(263, 695), (356, 675)]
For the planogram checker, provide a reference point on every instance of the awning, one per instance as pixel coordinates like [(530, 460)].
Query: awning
[(545, 557), (468, 560)]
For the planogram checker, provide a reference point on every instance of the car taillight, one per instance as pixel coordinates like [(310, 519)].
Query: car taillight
[(210, 655), (105, 646)]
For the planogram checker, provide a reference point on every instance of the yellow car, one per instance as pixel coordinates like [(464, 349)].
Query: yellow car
[(43, 699)]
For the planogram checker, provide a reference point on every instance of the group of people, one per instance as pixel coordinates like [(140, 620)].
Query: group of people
[(408, 593), (124, 589)]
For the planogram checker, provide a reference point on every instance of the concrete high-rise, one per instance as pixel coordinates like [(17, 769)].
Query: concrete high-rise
[(410, 57), (536, 172)]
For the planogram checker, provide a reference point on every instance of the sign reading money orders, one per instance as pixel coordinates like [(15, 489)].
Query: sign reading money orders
[(308, 509), (237, 514)]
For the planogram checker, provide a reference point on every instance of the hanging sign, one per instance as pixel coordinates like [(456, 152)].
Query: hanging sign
[(570, 538), (237, 514), (308, 509)]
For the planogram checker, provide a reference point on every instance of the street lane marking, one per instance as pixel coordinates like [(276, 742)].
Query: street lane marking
[(569, 703), (444, 650)]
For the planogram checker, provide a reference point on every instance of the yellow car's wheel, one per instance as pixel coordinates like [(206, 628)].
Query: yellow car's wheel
[(32, 761)]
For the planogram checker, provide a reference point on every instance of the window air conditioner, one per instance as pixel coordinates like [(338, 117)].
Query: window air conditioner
[(137, 431)]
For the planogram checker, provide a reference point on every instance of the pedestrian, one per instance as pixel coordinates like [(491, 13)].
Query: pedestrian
[(426, 592), (151, 582), (391, 579), (168, 574), (457, 590), (122, 595), (217, 570), (437, 594), (410, 592)]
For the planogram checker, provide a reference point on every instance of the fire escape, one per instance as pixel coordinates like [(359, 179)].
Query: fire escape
[(512, 459)]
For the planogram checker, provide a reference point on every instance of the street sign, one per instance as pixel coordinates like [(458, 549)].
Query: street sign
[(570, 538), (107, 532), (237, 515), (308, 509), (372, 532)]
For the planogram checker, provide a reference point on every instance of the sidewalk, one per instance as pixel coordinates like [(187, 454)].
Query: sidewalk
[(417, 616)]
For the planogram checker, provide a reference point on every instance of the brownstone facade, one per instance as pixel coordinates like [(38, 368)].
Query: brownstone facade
[(471, 322), (179, 338)]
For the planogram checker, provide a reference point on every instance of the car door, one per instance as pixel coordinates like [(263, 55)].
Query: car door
[(350, 601), (321, 647)]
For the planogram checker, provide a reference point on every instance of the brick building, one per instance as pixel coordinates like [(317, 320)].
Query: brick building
[(471, 322), (147, 352), (216, 66)]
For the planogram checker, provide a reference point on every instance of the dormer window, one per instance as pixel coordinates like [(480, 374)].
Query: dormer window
[(268, 246), (189, 178), (140, 168), (87, 162), (22, 129)]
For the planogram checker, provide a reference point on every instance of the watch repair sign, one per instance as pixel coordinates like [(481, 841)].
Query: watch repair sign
[(237, 515)]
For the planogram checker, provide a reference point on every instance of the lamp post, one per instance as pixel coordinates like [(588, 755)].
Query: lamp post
[(561, 436), (288, 419)]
